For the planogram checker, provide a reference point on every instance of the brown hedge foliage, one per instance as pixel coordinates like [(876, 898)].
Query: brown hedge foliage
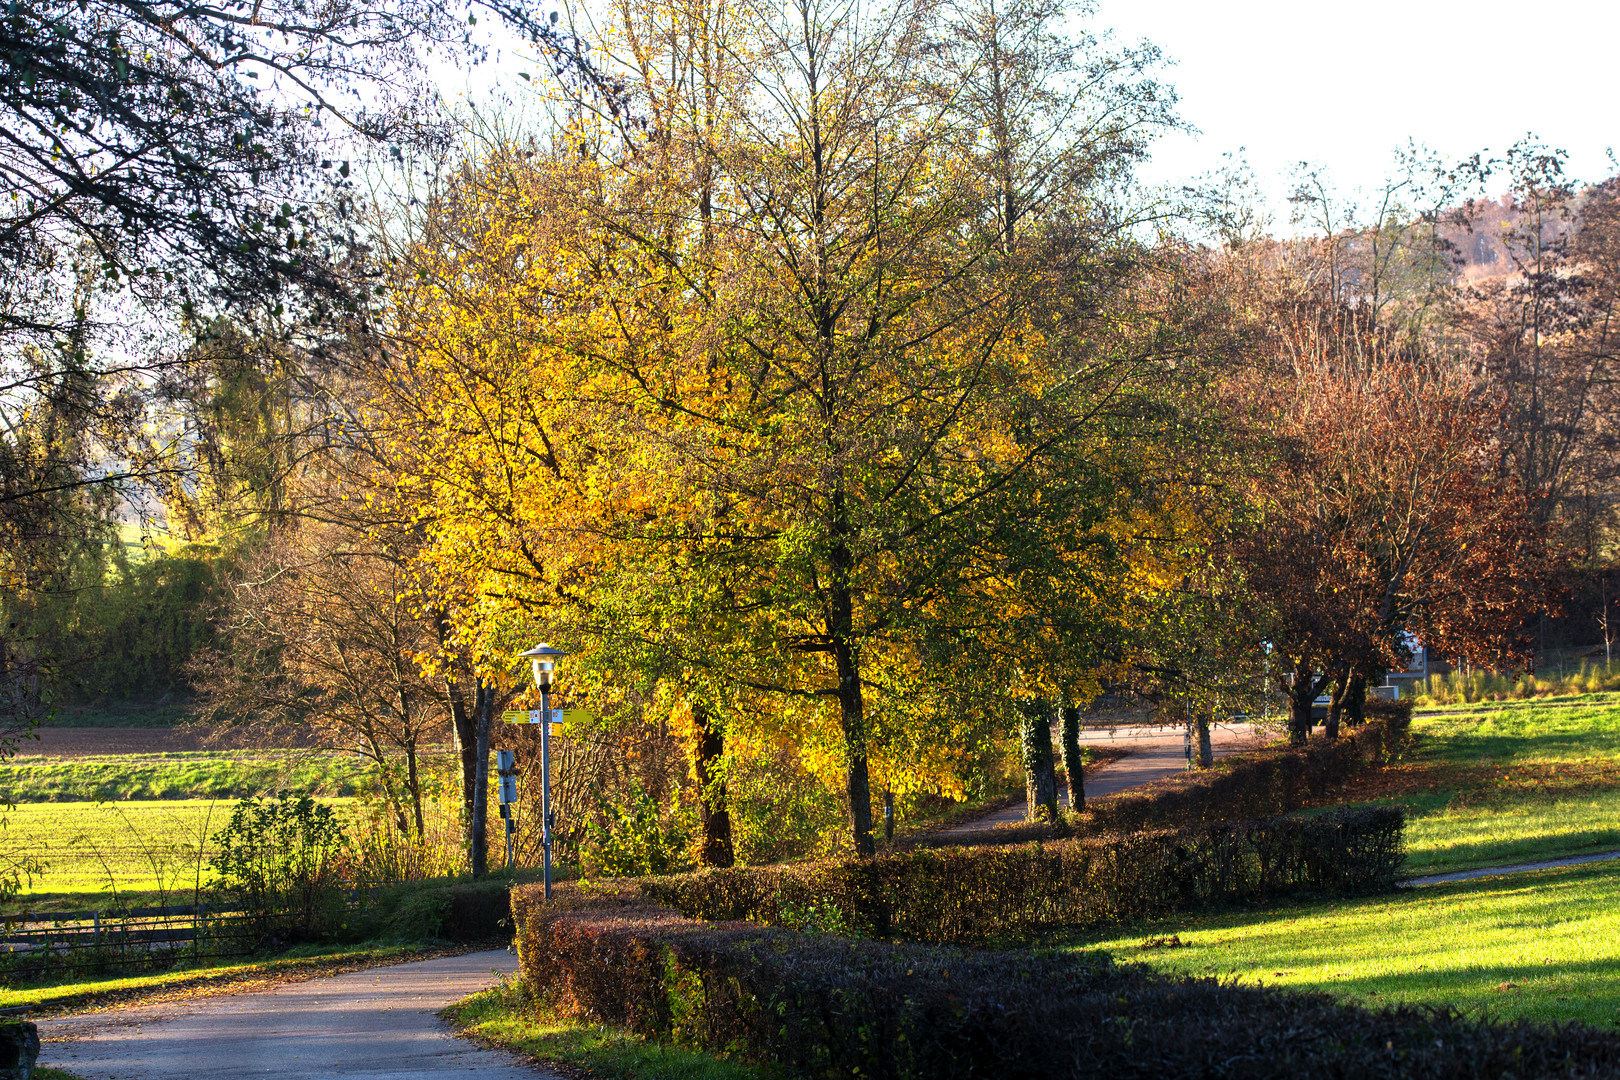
[(825, 1006), (972, 895), (1272, 781)]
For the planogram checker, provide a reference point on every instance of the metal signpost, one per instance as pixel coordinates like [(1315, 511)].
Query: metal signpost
[(543, 661)]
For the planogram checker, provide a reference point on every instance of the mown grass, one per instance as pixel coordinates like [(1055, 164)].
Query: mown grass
[(502, 1017), (203, 774), (1543, 946), (1512, 782)]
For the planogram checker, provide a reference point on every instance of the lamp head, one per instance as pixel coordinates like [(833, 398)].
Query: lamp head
[(543, 663)]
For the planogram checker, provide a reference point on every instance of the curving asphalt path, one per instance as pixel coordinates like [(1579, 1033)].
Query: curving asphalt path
[(1153, 754), (377, 1024)]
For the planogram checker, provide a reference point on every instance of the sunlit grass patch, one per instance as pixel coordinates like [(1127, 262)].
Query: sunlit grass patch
[(1544, 946), (202, 774), (100, 854), (1516, 782)]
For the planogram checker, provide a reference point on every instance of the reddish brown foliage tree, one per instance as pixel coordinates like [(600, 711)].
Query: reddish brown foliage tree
[(1382, 515)]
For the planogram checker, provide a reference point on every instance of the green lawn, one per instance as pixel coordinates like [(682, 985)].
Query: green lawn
[(141, 852), (202, 774), (1508, 782), (1544, 946)]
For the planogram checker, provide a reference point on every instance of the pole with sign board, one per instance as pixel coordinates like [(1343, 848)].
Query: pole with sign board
[(543, 662)]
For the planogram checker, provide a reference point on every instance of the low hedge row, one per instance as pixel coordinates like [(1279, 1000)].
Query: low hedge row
[(1254, 785), (824, 1006), (970, 895)]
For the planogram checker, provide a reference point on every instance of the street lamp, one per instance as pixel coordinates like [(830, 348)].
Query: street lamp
[(543, 662)]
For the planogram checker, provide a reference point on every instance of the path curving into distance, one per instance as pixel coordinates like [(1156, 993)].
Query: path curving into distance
[(376, 1024), (1153, 754)]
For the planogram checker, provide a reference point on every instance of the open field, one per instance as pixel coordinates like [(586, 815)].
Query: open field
[(98, 854), (205, 774), (1545, 946), (1488, 784)]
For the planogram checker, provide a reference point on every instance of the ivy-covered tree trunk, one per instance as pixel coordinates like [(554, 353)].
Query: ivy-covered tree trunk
[(1073, 765), (714, 815), (1206, 749), (1040, 770)]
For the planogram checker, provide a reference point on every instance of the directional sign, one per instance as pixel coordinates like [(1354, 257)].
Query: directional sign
[(558, 717)]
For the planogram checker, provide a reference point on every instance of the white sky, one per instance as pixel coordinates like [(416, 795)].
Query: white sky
[(1343, 85)]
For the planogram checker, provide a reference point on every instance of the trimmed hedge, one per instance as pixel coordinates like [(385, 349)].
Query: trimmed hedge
[(1273, 781), (970, 895), (824, 1006)]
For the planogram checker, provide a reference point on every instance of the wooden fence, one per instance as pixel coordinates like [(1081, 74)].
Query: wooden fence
[(33, 944)]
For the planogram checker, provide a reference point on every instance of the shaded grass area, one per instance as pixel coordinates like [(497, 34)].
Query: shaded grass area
[(1542, 946), (1515, 782), (162, 713), (229, 976), (501, 1017), (202, 774)]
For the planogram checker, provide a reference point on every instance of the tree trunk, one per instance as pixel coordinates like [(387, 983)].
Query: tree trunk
[(1206, 749), (888, 816), (1073, 764), (713, 814), (1040, 771), (464, 726), (858, 788), (1301, 694), (851, 702), (477, 834), (1341, 687), (1355, 703), (413, 780)]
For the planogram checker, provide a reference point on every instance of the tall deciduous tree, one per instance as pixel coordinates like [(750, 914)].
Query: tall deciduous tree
[(1384, 514), (783, 358)]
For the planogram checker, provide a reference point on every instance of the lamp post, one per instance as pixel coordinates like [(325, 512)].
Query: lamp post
[(543, 662)]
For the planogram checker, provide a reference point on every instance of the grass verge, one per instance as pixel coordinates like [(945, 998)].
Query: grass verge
[(1541, 946), (503, 1018)]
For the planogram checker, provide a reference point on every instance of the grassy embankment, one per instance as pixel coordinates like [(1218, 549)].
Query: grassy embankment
[(1486, 784), (1494, 783), (501, 1017)]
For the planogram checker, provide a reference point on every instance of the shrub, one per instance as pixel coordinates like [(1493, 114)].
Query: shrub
[(421, 911), (823, 1006), (282, 857), (969, 895), (634, 838)]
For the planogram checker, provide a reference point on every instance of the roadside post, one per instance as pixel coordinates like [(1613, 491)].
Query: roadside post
[(543, 663), (506, 766)]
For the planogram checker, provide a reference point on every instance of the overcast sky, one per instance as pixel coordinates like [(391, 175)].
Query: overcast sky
[(1343, 85)]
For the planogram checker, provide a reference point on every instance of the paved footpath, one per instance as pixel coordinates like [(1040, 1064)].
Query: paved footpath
[(377, 1024), (1516, 868), (1154, 753)]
